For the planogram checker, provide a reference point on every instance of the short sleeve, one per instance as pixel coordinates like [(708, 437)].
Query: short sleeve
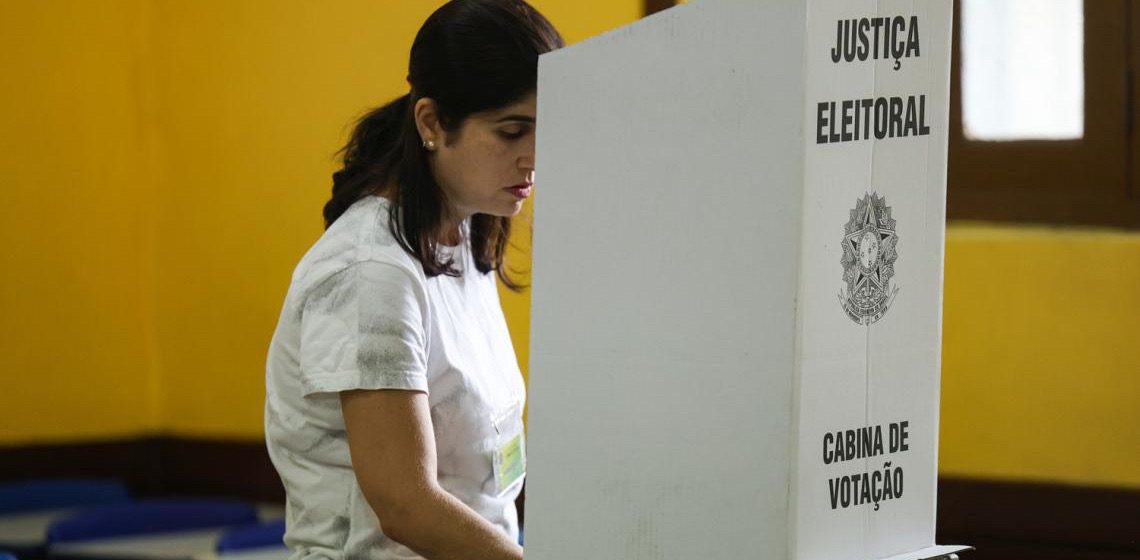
[(365, 328)]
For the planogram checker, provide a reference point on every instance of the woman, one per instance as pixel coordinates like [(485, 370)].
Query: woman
[(394, 400)]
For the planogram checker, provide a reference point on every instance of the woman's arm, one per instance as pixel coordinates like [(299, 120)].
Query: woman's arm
[(393, 454)]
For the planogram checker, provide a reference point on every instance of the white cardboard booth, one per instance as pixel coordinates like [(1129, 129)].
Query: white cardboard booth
[(737, 284)]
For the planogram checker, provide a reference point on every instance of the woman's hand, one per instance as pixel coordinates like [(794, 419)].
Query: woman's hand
[(392, 445)]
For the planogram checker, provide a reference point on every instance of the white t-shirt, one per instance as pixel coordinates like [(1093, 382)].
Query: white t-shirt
[(361, 314)]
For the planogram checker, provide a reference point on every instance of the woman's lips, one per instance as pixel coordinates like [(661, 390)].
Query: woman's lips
[(521, 191)]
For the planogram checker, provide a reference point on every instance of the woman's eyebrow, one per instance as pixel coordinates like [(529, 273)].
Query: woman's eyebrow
[(516, 118)]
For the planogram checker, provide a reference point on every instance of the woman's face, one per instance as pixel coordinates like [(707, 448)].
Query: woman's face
[(486, 165)]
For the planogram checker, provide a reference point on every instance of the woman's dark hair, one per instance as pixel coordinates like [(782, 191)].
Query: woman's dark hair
[(470, 56)]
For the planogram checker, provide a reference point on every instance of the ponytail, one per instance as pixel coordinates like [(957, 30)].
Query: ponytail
[(368, 156)]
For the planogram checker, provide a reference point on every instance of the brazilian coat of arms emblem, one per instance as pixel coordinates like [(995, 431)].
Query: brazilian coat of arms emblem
[(868, 260)]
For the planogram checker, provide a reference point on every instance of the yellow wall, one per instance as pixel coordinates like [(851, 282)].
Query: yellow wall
[(182, 151), (1041, 355), (76, 283)]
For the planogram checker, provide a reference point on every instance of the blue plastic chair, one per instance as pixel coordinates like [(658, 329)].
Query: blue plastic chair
[(253, 536), (150, 516), (39, 494)]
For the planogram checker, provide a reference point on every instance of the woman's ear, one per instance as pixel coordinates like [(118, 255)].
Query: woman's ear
[(426, 113)]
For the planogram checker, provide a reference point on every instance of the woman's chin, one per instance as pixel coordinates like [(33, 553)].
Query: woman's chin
[(507, 211)]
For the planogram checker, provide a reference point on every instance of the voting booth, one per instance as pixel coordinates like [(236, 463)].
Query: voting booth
[(737, 284)]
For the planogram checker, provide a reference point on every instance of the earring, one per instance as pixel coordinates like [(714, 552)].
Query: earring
[(429, 145)]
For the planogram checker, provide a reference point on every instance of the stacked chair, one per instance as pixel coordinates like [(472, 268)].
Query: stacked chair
[(154, 529), (263, 541), (29, 507), (98, 520)]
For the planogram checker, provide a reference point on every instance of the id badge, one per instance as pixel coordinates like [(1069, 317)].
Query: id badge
[(509, 457)]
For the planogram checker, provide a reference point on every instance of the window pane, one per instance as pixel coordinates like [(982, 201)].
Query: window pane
[(1023, 69)]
